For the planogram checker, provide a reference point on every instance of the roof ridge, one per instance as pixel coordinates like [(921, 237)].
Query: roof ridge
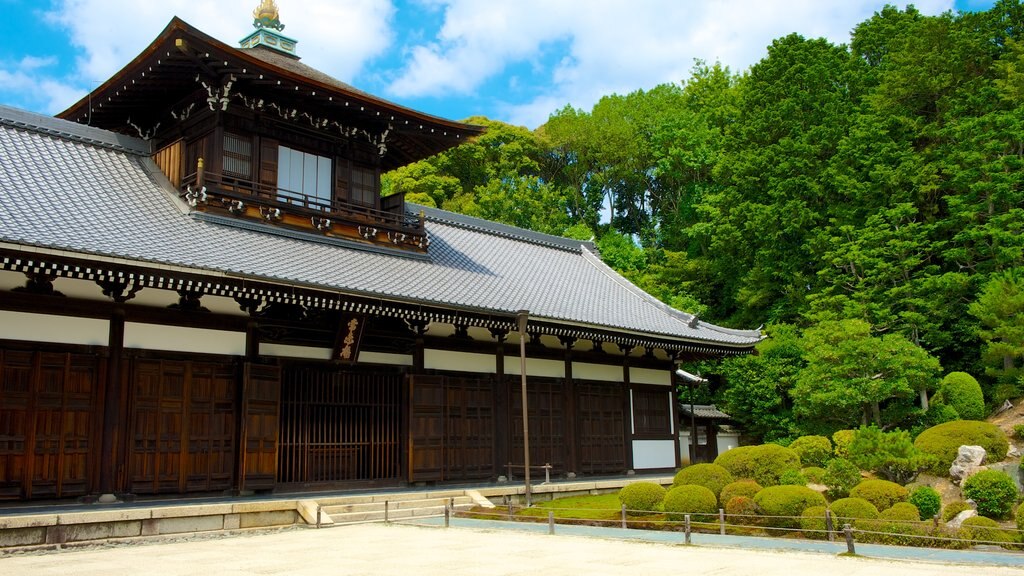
[(73, 131), (499, 229)]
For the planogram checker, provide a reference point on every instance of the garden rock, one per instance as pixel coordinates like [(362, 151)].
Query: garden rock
[(958, 520), (1012, 451), (968, 461)]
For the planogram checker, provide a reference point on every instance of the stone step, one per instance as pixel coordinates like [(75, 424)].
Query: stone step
[(390, 496), (333, 509)]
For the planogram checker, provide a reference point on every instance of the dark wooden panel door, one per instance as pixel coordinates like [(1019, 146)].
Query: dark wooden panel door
[(599, 434), (427, 398), (546, 404), (261, 411), (469, 429), (182, 436), (47, 407)]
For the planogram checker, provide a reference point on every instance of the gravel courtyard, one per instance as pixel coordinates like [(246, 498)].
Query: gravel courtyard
[(403, 550)]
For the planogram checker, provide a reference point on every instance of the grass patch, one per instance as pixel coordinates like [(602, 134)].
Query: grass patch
[(600, 507)]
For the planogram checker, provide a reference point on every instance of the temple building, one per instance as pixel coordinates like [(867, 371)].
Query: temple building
[(202, 290)]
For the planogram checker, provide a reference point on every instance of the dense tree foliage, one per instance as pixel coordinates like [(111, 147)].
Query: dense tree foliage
[(868, 199)]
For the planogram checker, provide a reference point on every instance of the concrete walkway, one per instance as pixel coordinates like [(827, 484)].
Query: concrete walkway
[(393, 550)]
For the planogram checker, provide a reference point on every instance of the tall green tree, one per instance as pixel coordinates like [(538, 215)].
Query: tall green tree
[(1000, 310)]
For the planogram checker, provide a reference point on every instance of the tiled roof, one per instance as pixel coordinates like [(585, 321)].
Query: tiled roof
[(709, 411), (72, 188)]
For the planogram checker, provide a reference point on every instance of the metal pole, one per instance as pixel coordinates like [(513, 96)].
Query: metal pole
[(521, 319)]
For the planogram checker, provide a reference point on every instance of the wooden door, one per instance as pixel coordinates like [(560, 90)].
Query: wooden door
[(47, 423), (261, 411), (469, 429), (546, 404), (600, 429), (427, 398)]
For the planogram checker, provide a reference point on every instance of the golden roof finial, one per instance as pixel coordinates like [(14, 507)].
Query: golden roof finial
[(266, 15)]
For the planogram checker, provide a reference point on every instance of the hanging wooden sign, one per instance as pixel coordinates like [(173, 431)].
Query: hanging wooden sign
[(350, 334)]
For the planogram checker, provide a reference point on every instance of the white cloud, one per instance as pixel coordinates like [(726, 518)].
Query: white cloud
[(340, 35), (614, 46), (28, 82)]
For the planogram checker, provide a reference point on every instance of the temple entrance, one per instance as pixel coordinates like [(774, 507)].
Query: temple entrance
[(339, 427), (451, 428), (600, 427)]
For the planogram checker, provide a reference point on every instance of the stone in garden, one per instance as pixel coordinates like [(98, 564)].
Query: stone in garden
[(968, 461), (958, 520), (1012, 451)]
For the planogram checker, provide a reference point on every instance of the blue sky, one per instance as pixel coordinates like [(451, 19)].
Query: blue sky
[(511, 60)]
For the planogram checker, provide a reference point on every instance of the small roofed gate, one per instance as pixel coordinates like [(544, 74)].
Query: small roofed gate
[(182, 436), (546, 402), (451, 428), (48, 402), (339, 426), (600, 432)]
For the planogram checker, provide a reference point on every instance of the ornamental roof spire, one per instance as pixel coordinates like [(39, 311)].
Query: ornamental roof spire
[(266, 19)]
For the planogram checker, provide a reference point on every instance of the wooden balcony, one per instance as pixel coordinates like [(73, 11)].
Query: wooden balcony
[(387, 225)]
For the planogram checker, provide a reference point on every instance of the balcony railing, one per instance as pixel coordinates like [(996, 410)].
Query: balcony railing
[(390, 216)]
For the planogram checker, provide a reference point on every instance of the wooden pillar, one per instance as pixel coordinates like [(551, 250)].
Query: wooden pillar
[(572, 453), (502, 436), (627, 410), (114, 422)]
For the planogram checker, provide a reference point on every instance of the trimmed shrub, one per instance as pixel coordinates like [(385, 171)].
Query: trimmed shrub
[(786, 501), (944, 440), (850, 510), (841, 440), (898, 525), (764, 463), (746, 488), (841, 476), (741, 510), (1018, 431), (961, 391), (882, 493), (1020, 518), (812, 450), (812, 522), (642, 496), (982, 529), (901, 511), (697, 501), (953, 508), (891, 454), (993, 491), (711, 476), (792, 478), (814, 474), (927, 500)]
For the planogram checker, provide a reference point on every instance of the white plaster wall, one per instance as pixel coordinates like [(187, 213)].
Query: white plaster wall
[(11, 280), (727, 441), (458, 361), (649, 376), (76, 288), (535, 367), (384, 358), (179, 339), (599, 372), (649, 454), (54, 329), (286, 351), (156, 298)]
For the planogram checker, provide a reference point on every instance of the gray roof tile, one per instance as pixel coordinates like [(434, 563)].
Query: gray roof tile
[(93, 192)]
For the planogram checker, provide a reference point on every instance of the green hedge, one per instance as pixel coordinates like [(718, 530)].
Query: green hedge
[(747, 488), (812, 522), (953, 508), (1020, 519), (993, 491), (642, 496), (927, 500), (812, 450), (711, 476), (901, 511), (882, 493), (960, 391), (741, 510), (792, 478), (786, 501), (850, 510), (697, 501), (814, 474), (841, 476), (982, 529), (841, 440), (764, 463), (943, 441)]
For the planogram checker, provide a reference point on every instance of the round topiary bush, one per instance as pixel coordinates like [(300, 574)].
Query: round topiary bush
[(982, 529), (812, 523), (814, 474), (841, 476), (792, 478), (697, 501), (764, 463), (812, 450), (711, 476), (746, 488), (961, 392), (927, 500), (841, 440), (899, 525), (882, 493), (642, 496), (904, 511), (943, 441), (993, 491), (741, 510), (849, 510), (787, 503), (953, 508)]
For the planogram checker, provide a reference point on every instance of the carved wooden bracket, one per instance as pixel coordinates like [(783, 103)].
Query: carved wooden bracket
[(119, 291), (38, 283)]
